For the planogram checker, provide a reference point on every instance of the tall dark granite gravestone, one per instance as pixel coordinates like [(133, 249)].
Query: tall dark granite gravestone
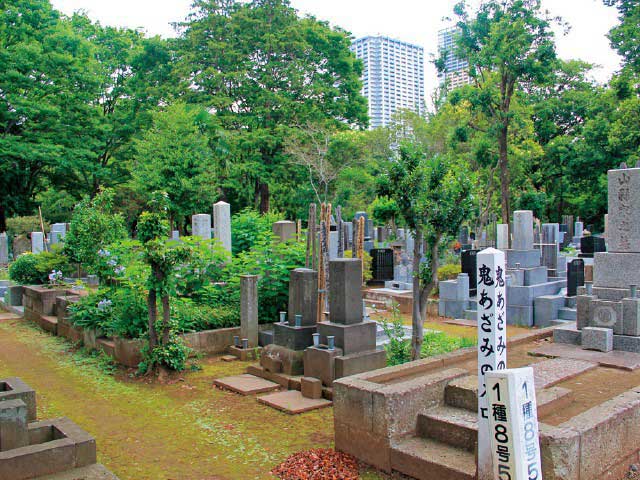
[(590, 245), (575, 277), (469, 266)]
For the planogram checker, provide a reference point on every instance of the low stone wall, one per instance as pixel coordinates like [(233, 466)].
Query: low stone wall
[(598, 444), (40, 301)]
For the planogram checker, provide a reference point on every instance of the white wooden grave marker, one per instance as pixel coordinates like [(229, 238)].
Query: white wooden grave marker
[(513, 417), (492, 343)]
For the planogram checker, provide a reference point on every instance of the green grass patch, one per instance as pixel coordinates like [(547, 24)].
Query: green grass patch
[(437, 343)]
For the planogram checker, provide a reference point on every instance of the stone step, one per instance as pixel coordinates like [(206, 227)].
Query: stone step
[(107, 345), (49, 323), (565, 313), (450, 425), (427, 459), (571, 302), (558, 321), (462, 393), (470, 314)]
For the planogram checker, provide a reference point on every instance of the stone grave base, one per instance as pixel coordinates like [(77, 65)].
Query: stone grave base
[(290, 382), (55, 446), (245, 354), (615, 359), (246, 384), (292, 402)]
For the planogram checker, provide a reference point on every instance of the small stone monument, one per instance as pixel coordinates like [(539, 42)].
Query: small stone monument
[(201, 226), (285, 230), (37, 242), (502, 236), (4, 249)]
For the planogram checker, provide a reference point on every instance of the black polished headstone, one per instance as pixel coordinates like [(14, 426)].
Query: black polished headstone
[(575, 276), (469, 265), (590, 245)]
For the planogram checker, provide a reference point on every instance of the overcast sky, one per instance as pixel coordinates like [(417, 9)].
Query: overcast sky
[(415, 21)]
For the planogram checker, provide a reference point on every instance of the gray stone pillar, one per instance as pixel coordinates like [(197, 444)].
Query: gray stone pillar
[(13, 425), (303, 296), (345, 294), (4, 249), (201, 226), (284, 230), (222, 224), (37, 242), (522, 230), (249, 308), (502, 234)]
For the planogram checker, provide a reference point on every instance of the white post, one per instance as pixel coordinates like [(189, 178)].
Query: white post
[(222, 224), (515, 443), (492, 342)]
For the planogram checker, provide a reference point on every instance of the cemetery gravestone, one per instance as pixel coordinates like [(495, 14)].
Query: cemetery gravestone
[(575, 276), (285, 230), (468, 262), (222, 224), (522, 230), (612, 301), (201, 226), (502, 236), (37, 242), (590, 245), (4, 249), (249, 309)]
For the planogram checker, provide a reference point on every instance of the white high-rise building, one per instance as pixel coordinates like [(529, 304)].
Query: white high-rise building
[(393, 77), (456, 71)]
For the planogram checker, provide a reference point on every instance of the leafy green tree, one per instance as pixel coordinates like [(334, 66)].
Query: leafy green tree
[(163, 256), (264, 70), (174, 155), (93, 227), (509, 46), (625, 37), (45, 74), (433, 194)]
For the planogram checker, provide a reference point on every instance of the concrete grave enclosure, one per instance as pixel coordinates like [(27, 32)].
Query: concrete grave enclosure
[(31, 449), (420, 419)]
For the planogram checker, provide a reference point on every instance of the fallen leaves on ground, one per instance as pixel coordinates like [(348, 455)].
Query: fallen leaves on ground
[(318, 464)]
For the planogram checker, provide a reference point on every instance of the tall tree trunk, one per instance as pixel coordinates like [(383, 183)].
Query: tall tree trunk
[(3, 219), (503, 162), (153, 317), (421, 293), (166, 316), (262, 196), (417, 334)]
